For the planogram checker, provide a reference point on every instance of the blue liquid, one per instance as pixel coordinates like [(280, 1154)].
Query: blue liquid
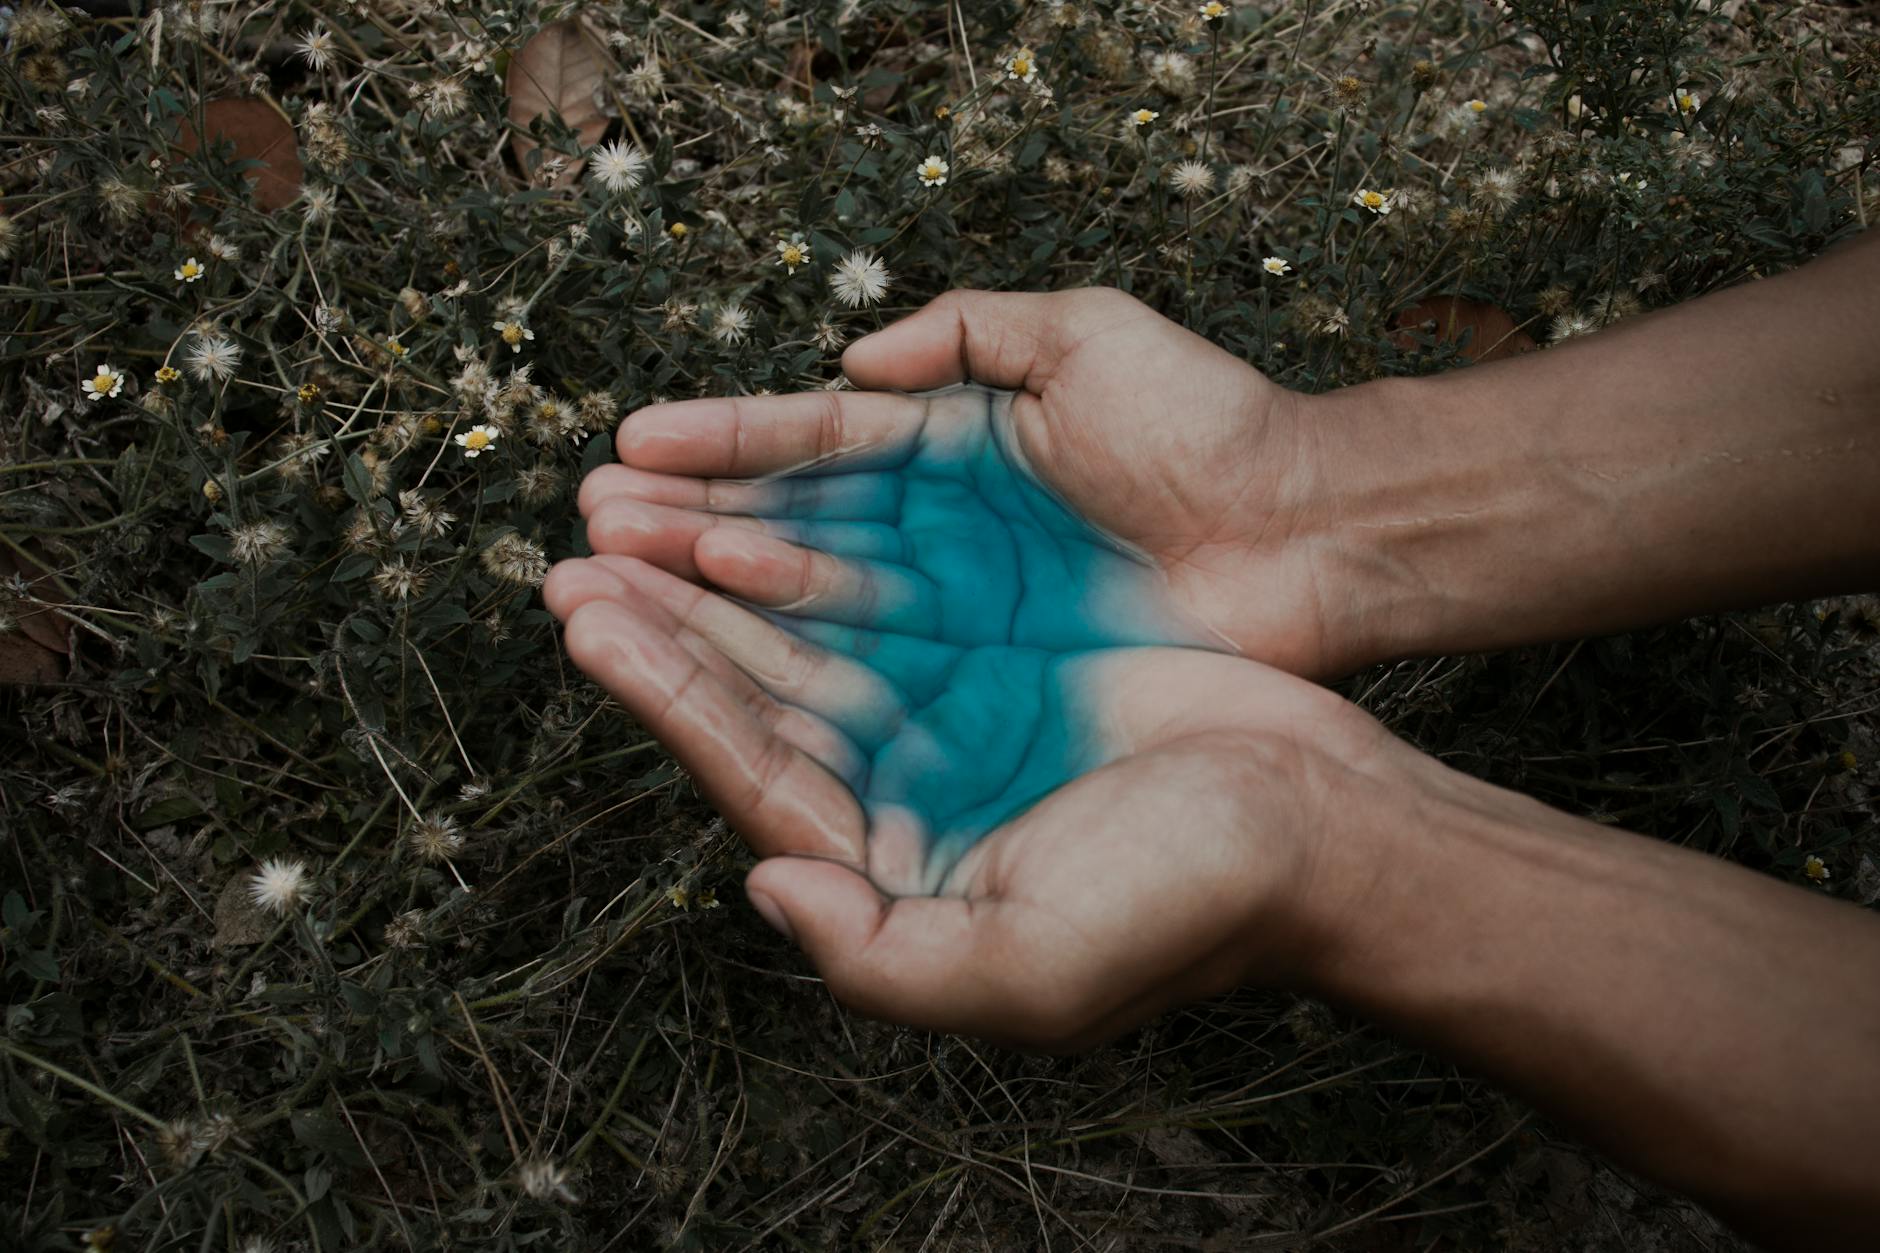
[(989, 604)]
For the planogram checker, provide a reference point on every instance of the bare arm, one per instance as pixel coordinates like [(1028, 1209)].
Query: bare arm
[(1719, 454), (1711, 1027)]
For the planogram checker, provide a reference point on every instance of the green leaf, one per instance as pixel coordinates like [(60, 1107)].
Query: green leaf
[(358, 479)]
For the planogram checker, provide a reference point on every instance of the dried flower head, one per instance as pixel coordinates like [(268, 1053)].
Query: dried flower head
[(279, 885), (516, 559), (860, 279)]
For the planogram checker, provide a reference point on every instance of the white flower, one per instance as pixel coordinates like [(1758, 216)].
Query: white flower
[(1816, 869), (103, 382), (1213, 11), (475, 440), (618, 166), (279, 885), (190, 271), (792, 253), (1022, 65), (932, 172), (213, 357), (1631, 182), (512, 332), (224, 250), (546, 1181), (1142, 117), (1276, 265), (860, 279), (731, 324), (316, 47), (1686, 102), (1475, 107), (1377, 202), (1192, 178)]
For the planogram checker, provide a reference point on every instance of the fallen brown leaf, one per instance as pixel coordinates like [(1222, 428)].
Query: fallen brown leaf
[(1494, 334), (259, 133), (34, 652), (559, 71)]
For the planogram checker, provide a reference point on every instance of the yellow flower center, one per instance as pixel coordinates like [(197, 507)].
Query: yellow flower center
[(1021, 66), (1480, 106), (103, 381), (191, 269), (931, 170), (512, 333), (793, 254), (1214, 10), (678, 230), (395, 348), (1144, 117), (167, 374), (476, 441)]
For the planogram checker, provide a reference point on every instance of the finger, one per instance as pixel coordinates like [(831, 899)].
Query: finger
[(937, 962), (573, 583), (777, 797), (658, 534), (751, 436), (805, 583), (863, 495), (1004, 339), (918, 668), (852, 697), (666, 536)]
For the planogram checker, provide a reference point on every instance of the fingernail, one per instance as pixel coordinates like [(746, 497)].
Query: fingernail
[(771, 912)]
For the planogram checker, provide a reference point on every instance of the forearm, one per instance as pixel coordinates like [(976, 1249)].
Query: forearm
[(1706, 1025), (1720, 454)]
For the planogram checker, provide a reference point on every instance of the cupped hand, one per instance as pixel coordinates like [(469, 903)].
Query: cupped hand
[(1188, 847), (842, 505)]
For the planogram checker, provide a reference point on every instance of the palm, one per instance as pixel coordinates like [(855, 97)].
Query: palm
[(1038, 785)]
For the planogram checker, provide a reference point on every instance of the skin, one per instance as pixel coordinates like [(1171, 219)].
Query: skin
[(1702, 1023)]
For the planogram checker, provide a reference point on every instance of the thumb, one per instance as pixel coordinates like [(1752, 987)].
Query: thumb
[(1003, 339), (922, 960)]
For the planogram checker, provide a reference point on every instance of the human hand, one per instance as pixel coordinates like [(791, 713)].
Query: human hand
[(1136, 428), (1190, 846)]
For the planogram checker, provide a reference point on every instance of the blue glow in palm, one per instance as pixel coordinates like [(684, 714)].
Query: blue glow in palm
[(936, 617)]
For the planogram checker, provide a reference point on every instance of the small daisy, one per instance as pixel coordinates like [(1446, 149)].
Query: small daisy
[(932, 172), (1143, 117), (168, 374), (860, 279), (278, 885), (1631, 182), (393, 346), (618, 166), (477, 439), (1213, 11), (213, 357), (103, 382), (1192, 178), (1022, 65), (731, 324), (1276, 265), (512, 332), (308, 392), (1686, 102), (1377, 202), (678, 230), (1816, 869), (190, 271), (792, 253)]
